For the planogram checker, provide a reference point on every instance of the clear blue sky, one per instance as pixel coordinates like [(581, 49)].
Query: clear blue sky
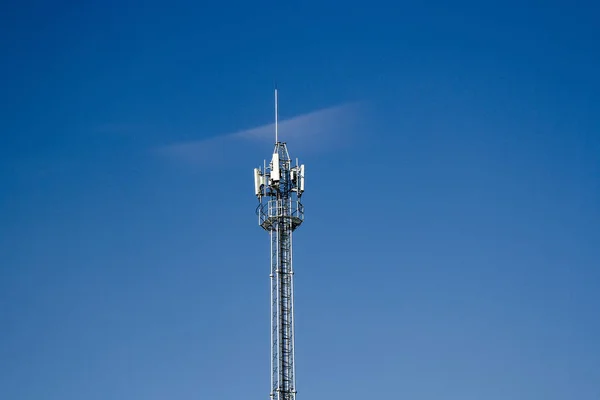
[(451, 248)]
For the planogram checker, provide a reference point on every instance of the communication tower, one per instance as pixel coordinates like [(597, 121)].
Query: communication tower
[(279, 187)]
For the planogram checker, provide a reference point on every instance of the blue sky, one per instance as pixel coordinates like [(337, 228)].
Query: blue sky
[(451, 247)]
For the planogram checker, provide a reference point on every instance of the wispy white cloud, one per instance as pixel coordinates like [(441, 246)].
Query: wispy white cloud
[(315, 130), (327, 121)]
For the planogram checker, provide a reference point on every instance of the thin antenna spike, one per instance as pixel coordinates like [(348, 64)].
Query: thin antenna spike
[(276, 118)]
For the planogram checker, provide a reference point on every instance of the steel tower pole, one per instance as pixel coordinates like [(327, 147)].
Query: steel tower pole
[(279, 188)]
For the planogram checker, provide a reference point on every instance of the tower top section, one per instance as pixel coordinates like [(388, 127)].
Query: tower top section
[(279, 182)]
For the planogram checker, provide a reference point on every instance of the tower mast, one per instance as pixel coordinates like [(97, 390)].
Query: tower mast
[(279, 187)]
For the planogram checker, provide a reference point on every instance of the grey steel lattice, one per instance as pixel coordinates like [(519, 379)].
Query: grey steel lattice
[(281, 186)]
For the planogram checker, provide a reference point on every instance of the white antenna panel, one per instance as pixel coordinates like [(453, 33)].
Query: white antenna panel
[(301, 185), (293, 174), (275, 168), (258, 181)]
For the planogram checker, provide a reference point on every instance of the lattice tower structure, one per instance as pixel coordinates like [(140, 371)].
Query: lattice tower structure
[(279, 187)]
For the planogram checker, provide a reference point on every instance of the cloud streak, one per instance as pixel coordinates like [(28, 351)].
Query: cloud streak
[(313, 131)]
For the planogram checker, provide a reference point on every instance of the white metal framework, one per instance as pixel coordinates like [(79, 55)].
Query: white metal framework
[(279, 187)]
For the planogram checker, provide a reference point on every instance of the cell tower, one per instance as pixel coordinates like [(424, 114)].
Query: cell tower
[(279, 187)]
